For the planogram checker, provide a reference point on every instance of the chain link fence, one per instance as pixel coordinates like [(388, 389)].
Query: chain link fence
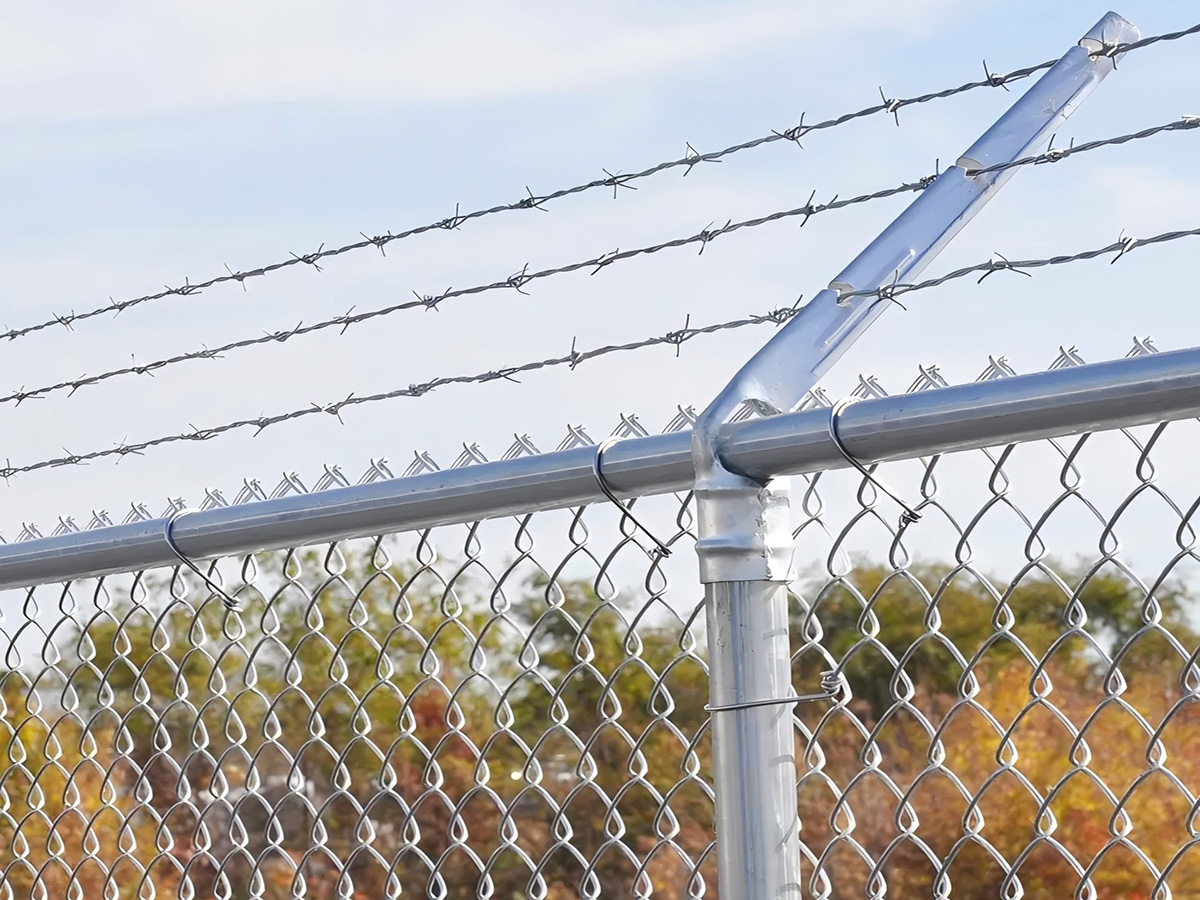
[(994, 651), (516, 707)]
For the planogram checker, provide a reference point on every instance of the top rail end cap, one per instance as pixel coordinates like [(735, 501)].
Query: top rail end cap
[(1110, 31)]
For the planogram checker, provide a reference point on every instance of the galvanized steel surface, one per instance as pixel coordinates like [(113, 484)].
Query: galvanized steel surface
[(506, 693), (1146, 387), (517, 707)]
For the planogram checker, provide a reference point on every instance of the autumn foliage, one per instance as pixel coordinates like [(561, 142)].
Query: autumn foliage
[(373, 729)]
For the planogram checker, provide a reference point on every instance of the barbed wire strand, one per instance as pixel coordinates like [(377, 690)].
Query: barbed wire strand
[(535, 201), (1053, 154), (572, 359), (1123, 246), (520, 279)]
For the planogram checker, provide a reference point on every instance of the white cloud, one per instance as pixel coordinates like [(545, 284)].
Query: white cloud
[(137, 57)]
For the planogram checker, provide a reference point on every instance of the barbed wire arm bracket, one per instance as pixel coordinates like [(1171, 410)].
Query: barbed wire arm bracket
[(744, 538)]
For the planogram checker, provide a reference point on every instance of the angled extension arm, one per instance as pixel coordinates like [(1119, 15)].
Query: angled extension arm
[(745, 542), (778, 377)]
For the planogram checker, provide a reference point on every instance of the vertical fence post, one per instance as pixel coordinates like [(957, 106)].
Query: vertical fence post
[(744, 542), (754, 766)]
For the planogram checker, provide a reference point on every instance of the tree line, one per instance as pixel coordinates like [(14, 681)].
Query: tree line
[(368, 729)]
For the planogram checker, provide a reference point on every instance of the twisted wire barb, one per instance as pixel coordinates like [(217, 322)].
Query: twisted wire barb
[(1122, 246), (1052, 155), (572, 359), (518, 280), (613, 180)]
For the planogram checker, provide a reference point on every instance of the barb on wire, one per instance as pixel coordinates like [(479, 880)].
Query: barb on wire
[(1127, 244), (792, 134), (693, 156), (1186, 123), (1122, 246), (689, 160), (993, 78), (518, 280), (572, 359), (890, 106), (998, 264)]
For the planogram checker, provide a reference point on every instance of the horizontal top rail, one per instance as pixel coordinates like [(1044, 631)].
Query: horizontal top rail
[(1086, 398)]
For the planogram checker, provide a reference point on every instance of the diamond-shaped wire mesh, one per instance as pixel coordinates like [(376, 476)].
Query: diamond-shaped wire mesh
[(1018, 674), (516, 707), (413, 715)]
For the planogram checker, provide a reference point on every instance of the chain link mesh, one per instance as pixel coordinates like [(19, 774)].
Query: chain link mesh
[(516, 707)]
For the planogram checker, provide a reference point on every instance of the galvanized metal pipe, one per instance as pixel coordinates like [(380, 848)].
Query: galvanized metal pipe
[(1028, 407), (749, 660), (744, 542)]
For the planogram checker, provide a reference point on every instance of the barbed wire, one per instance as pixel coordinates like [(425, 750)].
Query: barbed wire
[(615, 180), (523, 277), (572, 359), (777, 316), (1122, 246), (1147, 41), (1052, 154)]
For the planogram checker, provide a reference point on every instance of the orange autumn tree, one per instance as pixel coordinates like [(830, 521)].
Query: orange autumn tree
[(444, 735), (392, 716), (994, 725), (70, 820)]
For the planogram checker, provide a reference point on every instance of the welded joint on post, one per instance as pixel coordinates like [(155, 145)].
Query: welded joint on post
[(744, 531)]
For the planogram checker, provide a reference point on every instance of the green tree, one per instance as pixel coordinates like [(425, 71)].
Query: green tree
[(408, 716), (892, 630), (1052, 706), (357, 708)]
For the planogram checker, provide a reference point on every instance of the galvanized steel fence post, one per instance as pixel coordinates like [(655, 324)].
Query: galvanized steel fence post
[(744, 540), (261, 810)]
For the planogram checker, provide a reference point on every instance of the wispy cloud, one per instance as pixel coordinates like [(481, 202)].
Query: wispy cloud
[(138, 57)]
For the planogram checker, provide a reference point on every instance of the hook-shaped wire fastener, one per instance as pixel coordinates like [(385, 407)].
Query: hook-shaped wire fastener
[(830, 684), (909, 514), (231, 603), (663, 549)]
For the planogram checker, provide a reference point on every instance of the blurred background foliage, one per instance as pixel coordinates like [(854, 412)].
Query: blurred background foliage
[(406, 719)]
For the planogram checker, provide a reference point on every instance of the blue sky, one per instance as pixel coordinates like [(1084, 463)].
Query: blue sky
[(144, 143)]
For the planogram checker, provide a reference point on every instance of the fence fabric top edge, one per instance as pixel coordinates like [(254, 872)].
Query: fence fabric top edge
[(1095, 397)]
